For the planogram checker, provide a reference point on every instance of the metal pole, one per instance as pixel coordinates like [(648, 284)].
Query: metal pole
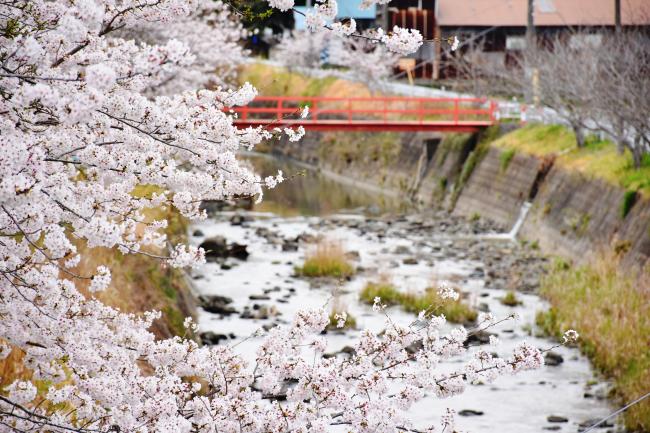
[(530, 26), (617, 16), (531, 43)]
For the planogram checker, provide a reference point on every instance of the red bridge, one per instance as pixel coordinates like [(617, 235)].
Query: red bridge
[(370, 114)]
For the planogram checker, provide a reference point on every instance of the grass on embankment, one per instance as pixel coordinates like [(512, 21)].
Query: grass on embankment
[(326, 259), (430, 300), (597, 159), (610, 307), (278, 81)]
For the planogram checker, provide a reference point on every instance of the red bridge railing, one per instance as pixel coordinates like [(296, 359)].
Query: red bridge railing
[(370, 114)]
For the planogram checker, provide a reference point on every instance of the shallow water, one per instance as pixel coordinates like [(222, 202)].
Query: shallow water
[(513, 404), (308, 191)]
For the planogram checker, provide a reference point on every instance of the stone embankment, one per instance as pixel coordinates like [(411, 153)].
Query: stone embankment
[(571, 215)]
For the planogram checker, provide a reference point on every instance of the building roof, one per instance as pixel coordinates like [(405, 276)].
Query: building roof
[(512, 13)]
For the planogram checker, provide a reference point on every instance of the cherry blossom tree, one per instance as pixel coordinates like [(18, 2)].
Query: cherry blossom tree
[(81, 127), (363, 59), (214, 41)]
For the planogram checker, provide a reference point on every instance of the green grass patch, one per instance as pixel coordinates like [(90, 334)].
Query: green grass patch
[(536, 139), (327, 259), (609, 306), (350, 322), (430, 300), (597, 159), (511, 299), (277, 81), (505, 158), (470, 164)]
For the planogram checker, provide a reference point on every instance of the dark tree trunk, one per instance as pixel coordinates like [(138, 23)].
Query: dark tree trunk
[(579, 133), (637, 152)]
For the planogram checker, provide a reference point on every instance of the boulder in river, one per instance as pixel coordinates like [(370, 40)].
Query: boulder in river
[(239, 219), (588, 423), (353, 255), (470, 412), (556, 419), (478, 338), (553, 359), (402, 249), (217, 304), (210, 338), (289, 245), (217, 247)]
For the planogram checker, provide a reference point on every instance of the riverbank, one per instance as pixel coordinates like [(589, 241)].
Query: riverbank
[(609, 304), (579, 206)]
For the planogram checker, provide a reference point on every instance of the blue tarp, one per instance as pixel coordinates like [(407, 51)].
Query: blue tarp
[(347, 9), (350, 8)]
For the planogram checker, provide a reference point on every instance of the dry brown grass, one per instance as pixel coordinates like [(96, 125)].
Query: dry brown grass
[(609, 306), (326, 259)]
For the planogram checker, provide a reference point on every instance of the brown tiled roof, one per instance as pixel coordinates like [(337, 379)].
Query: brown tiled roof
[(547, 12)]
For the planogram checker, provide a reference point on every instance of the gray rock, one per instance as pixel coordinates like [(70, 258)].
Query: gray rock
[(217, 304), (290, 245), (553, 359), (556, 419), (410, 261), (402, 249), (197, 233), (210, 338), (584, 425), (353, 255), (259, 297), (217, 247), (478, 338), (470, 412), (239, 219)]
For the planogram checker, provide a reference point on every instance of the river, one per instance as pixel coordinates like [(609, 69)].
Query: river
[(386, 236)]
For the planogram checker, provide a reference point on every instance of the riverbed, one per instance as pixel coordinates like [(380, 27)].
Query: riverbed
[(383, 237)]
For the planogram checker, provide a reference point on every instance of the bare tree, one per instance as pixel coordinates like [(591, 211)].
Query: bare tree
[(592, 81), (622, 99)]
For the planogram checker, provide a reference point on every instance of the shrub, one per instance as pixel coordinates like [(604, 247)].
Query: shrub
[(383, 289), (609, 305), (327, 259), (454, 310), (511, 299), (350, 321)]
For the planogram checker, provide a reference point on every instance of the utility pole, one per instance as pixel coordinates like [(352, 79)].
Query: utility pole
[(531, 45), (617, 16), (530, 25)]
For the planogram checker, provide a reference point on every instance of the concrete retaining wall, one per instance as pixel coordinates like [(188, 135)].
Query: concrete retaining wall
[(571, 215)]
